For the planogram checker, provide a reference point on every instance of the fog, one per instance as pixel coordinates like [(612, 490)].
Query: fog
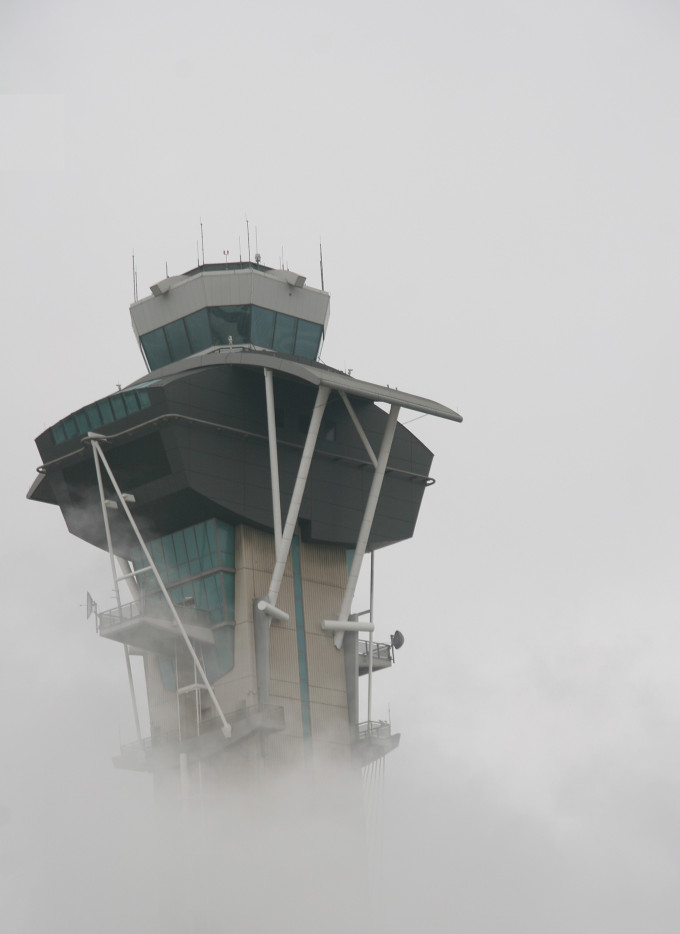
[(495, 187)]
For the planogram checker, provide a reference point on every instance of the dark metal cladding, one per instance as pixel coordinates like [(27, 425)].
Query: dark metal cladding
[(200, 450)]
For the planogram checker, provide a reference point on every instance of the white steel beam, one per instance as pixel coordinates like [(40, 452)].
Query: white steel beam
[(367, 521), (273, 456), (112, 559), (298, 492), (359, 427)]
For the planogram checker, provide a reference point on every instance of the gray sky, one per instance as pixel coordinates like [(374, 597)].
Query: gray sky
[(495, 185)]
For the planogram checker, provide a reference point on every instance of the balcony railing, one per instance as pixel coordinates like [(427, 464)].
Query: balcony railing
[(374, 739), (381, 650), (153, 608)]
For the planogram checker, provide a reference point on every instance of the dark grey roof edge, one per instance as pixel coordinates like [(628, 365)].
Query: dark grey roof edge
[(311, 373)]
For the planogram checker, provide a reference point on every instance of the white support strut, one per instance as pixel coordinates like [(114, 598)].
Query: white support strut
[(359, 427), (273, 456), (298, 492), (94, 441), (367, 521), (107, 528)]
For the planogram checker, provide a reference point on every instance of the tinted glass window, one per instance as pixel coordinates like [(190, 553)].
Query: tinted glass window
[(70, 428), (93, 416), (262, 333), (177, 339), (82, 422), (284, 333), (198, 330), (307, 340), (230, 321), (156, 348), (118, 406), (58, 433), (105, 411), (131, 403)]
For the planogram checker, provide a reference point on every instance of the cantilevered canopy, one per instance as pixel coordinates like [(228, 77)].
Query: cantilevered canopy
[(312, 373)]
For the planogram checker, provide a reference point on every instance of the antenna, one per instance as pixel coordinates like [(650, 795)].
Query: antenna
[(134, 278), (248, 232), (240, 258), (321, 264), (226, 257), (258, 257), (198, 256), (167, 274), (202, 244)]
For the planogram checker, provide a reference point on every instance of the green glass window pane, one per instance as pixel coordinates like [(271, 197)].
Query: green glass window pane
[(93, 416), (58, 433), (229, 583), (180, 547), (188, 597), (118, 406), (131, 404), (82, 422), (190, 542), (201, 595), (156, 348), (202, 546), (213, 592), (177, 340), (169, 551), (212, 539), (262, 333), (70, 428), (284, 333), (105, 411), (229, 321), (307, 340), (156, 549), (192, 550), (198, 330), (225, 537), (143, 399)]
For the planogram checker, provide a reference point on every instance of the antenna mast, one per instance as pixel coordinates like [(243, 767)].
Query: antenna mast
[(321, 267), (202, 244), (134, 278), (248, 232)]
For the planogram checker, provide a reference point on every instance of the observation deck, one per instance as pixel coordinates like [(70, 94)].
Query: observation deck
[(383, 655), (148, 624), (373, 740)]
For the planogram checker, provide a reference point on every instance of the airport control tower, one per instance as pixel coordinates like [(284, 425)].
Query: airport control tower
[(238, 487)]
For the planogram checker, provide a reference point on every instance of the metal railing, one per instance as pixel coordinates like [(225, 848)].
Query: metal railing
[(151, 607), (374, 728), (381, 650)]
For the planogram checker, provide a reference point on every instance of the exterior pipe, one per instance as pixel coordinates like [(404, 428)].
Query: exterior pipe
[(367, 521), (272, 611), (348, 625), (298, 492)]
